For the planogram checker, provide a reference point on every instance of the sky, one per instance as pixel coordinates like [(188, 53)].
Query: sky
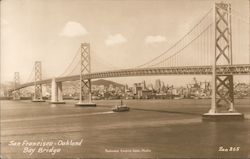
[(121, 33)]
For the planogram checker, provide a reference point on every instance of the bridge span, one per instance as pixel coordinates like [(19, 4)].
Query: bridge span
[(240, 69), (191, 55)]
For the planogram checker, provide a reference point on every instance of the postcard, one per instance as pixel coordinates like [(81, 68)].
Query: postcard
[(125, 79)]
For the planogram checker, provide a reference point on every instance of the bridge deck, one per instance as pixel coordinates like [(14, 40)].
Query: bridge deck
[(240, 69)]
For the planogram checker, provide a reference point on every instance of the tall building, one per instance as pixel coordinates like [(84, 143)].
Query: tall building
[(158, 85), (137, 90), (164, 88), (126, 88), (144, 87), (111, 88)]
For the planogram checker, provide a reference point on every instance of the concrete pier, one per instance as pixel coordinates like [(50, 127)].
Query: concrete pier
[(223, 116), (86, 103), (56, 92)]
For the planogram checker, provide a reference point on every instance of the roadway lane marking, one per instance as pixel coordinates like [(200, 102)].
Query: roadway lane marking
[(55, 116)]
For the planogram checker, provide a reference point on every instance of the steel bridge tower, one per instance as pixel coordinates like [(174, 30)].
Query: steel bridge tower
[(16, 93), (38, 97), (85, 98), (222, 105)]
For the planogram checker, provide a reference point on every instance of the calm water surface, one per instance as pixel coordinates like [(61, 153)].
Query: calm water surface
[(152, 129)]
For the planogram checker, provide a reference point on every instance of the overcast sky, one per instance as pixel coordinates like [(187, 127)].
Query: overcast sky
[(122, 33)]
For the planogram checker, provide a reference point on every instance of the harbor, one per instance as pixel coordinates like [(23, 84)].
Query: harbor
[(151, 129)]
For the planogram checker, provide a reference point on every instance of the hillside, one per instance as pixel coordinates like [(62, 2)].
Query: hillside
[(106, 83)]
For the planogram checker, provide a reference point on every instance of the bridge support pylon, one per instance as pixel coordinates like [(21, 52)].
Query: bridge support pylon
[(222, 106), (56, 92), (16, 93), (85, 98), (38, 96)]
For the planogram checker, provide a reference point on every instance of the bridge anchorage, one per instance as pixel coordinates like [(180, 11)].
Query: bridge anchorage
[(16, 92), (85, 98), (222, 106), (38, 96)]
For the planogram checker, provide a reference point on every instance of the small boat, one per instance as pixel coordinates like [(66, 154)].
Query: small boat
[(178, 97), (120, 108)]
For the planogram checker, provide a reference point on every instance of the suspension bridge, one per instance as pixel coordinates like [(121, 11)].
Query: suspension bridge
[(206, 49)]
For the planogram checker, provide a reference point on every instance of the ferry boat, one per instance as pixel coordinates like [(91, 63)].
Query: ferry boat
[(120, 108)]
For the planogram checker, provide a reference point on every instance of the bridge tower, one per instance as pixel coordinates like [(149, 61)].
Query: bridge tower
[(85, 98), (222, 106), (38, 97), (16, 93)]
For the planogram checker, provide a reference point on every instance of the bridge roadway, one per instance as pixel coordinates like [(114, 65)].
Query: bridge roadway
[(239, 69)]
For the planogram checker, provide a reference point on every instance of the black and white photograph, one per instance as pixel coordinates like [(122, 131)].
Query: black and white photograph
[(125, 79)]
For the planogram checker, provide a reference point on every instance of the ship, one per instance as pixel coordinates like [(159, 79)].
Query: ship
[(120, 108)]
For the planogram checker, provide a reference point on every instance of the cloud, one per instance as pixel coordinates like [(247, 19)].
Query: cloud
[(73, 29), (115, 39), (155, 39)]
